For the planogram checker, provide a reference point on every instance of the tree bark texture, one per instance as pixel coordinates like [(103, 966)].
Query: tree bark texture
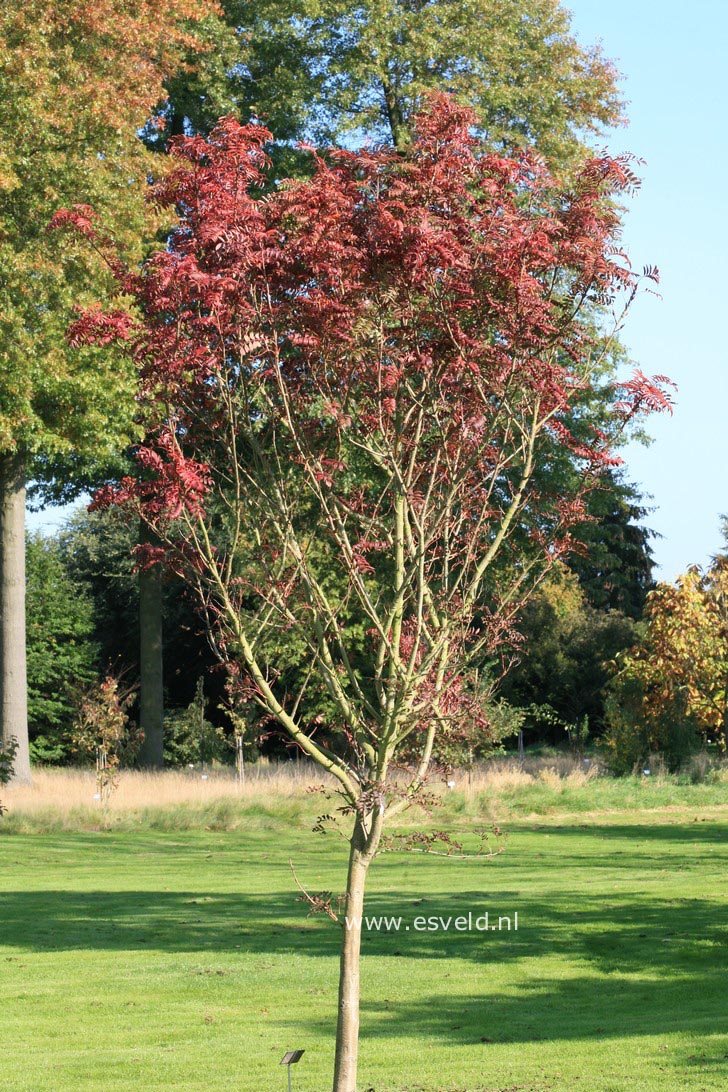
[(363, 848), (13, 672), (151, 661)]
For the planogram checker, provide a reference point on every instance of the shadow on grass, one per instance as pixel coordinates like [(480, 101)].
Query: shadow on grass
[(179, 921), (622, 933), (701, 831), (584, 964), (580, 1008)]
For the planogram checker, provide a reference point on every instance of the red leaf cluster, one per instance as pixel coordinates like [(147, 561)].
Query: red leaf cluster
[(393, 343)]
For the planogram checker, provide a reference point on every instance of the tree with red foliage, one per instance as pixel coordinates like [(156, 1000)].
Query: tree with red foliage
[(358, 375)]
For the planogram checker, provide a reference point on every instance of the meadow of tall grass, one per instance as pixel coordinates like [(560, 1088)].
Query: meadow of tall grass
[(502, 789)]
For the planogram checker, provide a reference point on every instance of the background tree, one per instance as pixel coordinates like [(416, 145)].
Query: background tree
[(76, 81), (97, 550), (386, 345), (563, 660), (614, 559), (331, 72), (63, 658), (584, 615), (97, 553), (671, 685)]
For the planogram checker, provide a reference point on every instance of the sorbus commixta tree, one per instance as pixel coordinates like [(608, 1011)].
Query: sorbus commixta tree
[(359, 374)]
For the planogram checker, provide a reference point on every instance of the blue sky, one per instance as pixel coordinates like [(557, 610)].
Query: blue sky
[(672, 57)]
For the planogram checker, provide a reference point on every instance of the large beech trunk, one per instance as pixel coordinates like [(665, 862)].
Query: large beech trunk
[(362, 851), (13, 675), (151, 661)]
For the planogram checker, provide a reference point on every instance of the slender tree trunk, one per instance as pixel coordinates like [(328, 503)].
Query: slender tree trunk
[(401, 133), (13, 676), (151, 661), (362, 851)]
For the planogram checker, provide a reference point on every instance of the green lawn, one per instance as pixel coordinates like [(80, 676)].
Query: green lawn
[(150, 960)]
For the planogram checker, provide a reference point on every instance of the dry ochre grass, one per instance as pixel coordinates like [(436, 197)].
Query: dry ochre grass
[(500, 790), (68, 790)]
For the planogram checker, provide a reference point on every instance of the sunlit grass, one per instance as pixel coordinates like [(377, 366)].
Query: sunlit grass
[(153, 956)]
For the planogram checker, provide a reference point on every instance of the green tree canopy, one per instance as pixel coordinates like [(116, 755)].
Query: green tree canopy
[(76, 81), (614, 562), (62, 652), (678, 671), (563, 662), (328, 72)]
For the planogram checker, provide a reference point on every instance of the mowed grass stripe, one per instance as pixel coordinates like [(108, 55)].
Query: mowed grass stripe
[(146, 960)]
